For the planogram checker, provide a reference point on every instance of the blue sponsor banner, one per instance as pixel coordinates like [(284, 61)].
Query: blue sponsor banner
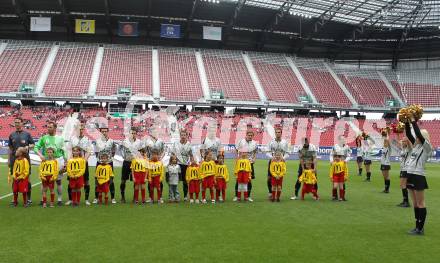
[(169, 31)]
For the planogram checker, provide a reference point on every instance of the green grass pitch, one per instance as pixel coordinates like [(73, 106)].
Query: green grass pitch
[(367, 228)]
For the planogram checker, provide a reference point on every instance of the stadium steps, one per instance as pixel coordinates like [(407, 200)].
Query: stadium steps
[(125, 66), (155, 73), (202, 75), (179, 75), (227, 72), (71, 72), (341, 85), (3, 47), (321, 83), (301, 79), (96, 71), (277, 79), (21, 62), (254, 77), (44, 74), (391, 88)]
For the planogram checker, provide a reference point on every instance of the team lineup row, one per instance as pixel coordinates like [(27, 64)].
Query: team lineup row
[(143, 164), (209, 174)]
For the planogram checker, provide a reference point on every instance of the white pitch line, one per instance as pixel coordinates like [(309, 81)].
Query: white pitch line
[(10, 194)]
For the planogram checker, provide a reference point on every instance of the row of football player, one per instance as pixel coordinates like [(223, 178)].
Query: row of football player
[(209, 174)]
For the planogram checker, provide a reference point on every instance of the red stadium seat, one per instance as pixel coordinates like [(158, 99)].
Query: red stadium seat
[(179, 75), (227, 72), (71, 71), (277, 78), (22, 62), (125, 66)]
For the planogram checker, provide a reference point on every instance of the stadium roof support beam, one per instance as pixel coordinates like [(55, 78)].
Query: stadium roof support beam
[(403, 37), (19, 11), (190, 19), (233, 19), (63, 8), (276, 20), (325, 17), (301, 79), (45, 71), (360, 26), (328, 15), (254, 77), (341, 85), (280, 15), (108, 22), (96, 71)]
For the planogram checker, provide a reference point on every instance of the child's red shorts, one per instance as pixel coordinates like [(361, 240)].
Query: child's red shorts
[(220, 183), (208, 182), (276, 182), (21, 186), (194, 186), (155, 182), (76, 183), (308, 188), (139, 177), (338, 178), (103, 188), (48, 183), (243, 177)]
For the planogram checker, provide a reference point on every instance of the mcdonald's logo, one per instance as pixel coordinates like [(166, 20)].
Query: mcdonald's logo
[(47, 168), (277, 168), (208, 167), (338, 168), (18, 169), (75, 166), (193, 173), (221, 170), (139, 166), (242, 165), (102, 173)]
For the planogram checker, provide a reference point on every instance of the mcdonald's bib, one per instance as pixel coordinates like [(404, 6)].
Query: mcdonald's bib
[(339, 169), (192, 173), (76, 167), (243, 165), (156, 169), (207, 169), (139, 165), (103, 173), (278, 169), (222, 171), (49, 168)]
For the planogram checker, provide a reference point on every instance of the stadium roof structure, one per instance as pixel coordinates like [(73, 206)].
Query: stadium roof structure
[(337, 29)]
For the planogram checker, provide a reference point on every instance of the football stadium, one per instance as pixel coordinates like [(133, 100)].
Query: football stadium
[(219, 130)]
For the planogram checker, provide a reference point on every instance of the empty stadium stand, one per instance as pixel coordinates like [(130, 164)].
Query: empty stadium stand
[(72, 70), (179, 75), (21, 62), (279, 82), (323, 85), (417, 86), (125, 66), (365, 86), (227, 72)]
